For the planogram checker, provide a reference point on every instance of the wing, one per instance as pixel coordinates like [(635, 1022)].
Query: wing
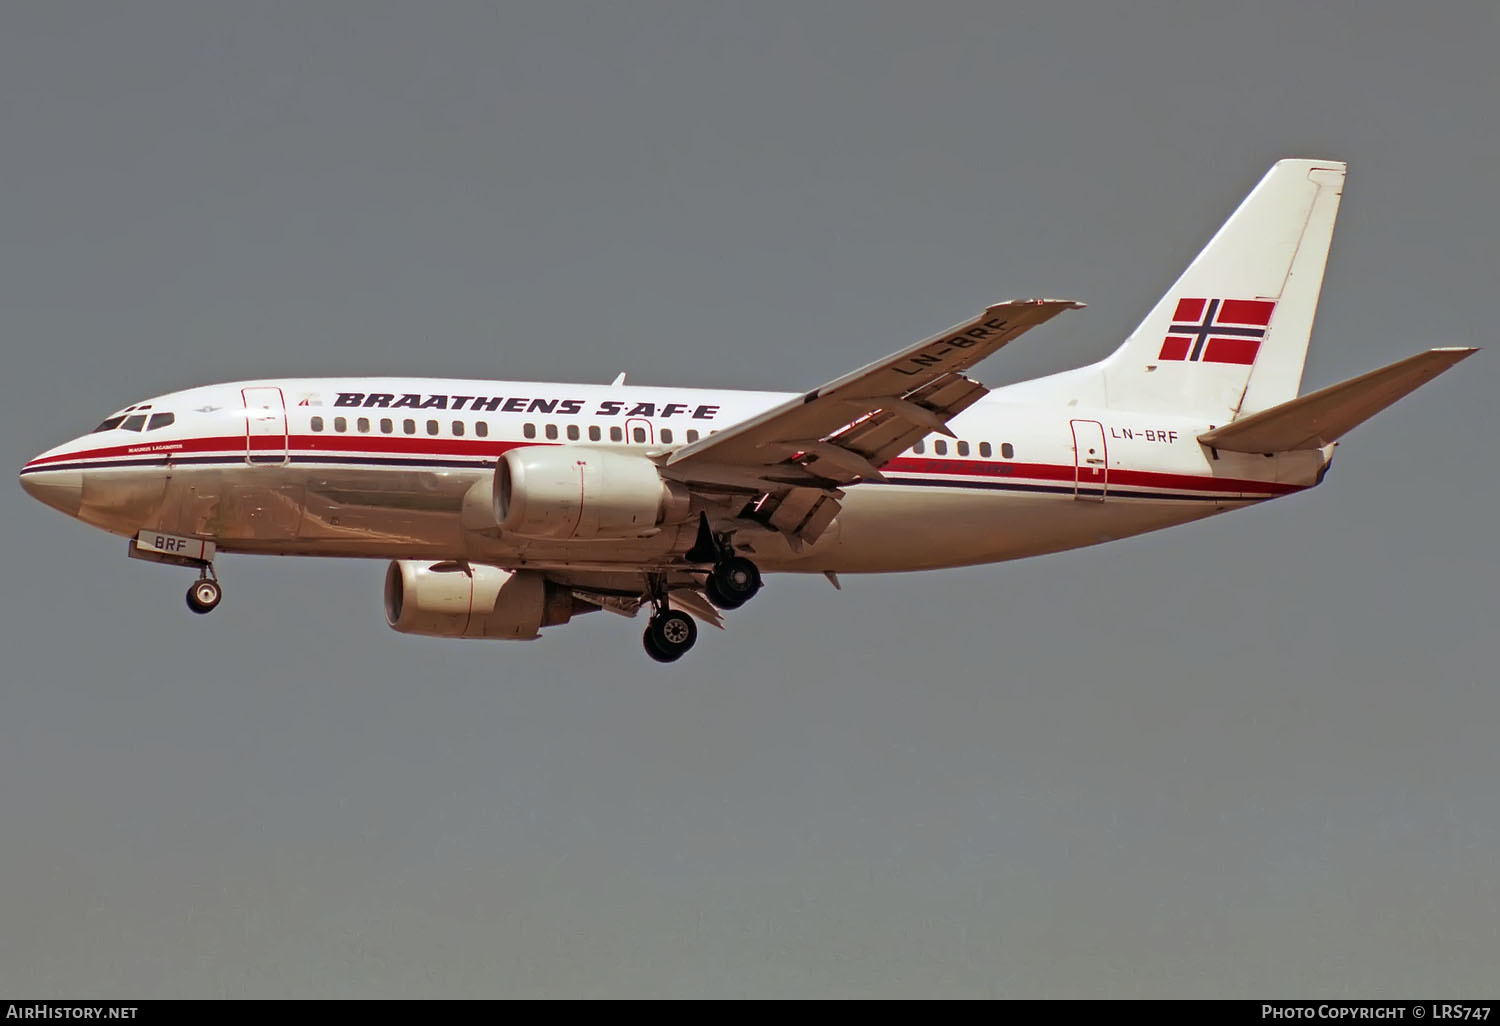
[(792, 460)]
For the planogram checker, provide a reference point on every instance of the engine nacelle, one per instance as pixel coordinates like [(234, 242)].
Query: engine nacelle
[(451, 600), (553, 491)]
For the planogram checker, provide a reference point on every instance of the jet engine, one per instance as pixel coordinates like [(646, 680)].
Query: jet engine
[(458, 600), (563, 492)]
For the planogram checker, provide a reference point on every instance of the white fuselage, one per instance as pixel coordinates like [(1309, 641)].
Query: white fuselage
[(401, 468)]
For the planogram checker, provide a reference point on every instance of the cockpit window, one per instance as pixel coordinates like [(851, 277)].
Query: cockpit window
[(134, 418)]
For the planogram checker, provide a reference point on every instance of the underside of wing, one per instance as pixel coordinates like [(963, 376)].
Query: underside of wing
[(625, 592)]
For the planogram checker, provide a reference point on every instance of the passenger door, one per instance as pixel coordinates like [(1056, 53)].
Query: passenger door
[(265, 426), (1090, 461)]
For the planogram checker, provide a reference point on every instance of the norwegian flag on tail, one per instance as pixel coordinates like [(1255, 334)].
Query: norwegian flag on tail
[(1217, 330)]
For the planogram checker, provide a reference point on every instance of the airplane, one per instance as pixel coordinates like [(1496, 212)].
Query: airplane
[(507, 507)]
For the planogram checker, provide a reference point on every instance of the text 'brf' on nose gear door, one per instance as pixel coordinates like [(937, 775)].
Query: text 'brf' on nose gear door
[(1090, 461), (265, 426)]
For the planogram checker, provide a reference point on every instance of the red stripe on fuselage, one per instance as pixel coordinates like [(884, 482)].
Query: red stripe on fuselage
[(486, 448), (1067, 472), (491, 448)]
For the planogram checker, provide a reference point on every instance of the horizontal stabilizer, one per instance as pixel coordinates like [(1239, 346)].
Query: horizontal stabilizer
[(1322, 417)]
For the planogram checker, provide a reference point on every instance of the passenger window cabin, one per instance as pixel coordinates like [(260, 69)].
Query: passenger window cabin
[(1007, 451)]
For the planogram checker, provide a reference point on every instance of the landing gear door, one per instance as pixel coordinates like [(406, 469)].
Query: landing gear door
[(265, 426), (1090, 461)]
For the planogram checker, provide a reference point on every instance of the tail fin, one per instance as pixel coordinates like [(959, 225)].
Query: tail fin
[(1324, 416), (1230, 337)]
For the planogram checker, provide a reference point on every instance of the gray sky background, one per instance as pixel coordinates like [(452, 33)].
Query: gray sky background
[(1254, 756)]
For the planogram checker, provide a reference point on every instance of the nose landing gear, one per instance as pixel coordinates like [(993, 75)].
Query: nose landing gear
[(175, 550)]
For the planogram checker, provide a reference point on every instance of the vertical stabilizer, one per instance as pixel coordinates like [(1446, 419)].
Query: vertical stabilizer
[(1230, 337)]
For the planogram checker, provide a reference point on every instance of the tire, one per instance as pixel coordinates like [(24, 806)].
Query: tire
[(717, 597), (652, 650), (204, 596), (672, 633), (735, 580)]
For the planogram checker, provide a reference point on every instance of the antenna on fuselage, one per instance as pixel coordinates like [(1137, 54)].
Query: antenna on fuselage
[(619, 379)]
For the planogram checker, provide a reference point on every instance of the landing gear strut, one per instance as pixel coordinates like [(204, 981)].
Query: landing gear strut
[(204, 595)]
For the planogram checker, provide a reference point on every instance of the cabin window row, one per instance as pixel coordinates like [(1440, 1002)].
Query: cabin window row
[(986, 451), (638, 435), (363, 425), (387, 426)]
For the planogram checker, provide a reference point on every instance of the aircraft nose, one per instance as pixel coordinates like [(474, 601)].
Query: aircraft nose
[(60, 489)]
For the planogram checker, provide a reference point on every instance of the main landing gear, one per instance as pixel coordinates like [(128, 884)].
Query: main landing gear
[(731, 583), (733, 580), (204, 595), (670, 632)]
